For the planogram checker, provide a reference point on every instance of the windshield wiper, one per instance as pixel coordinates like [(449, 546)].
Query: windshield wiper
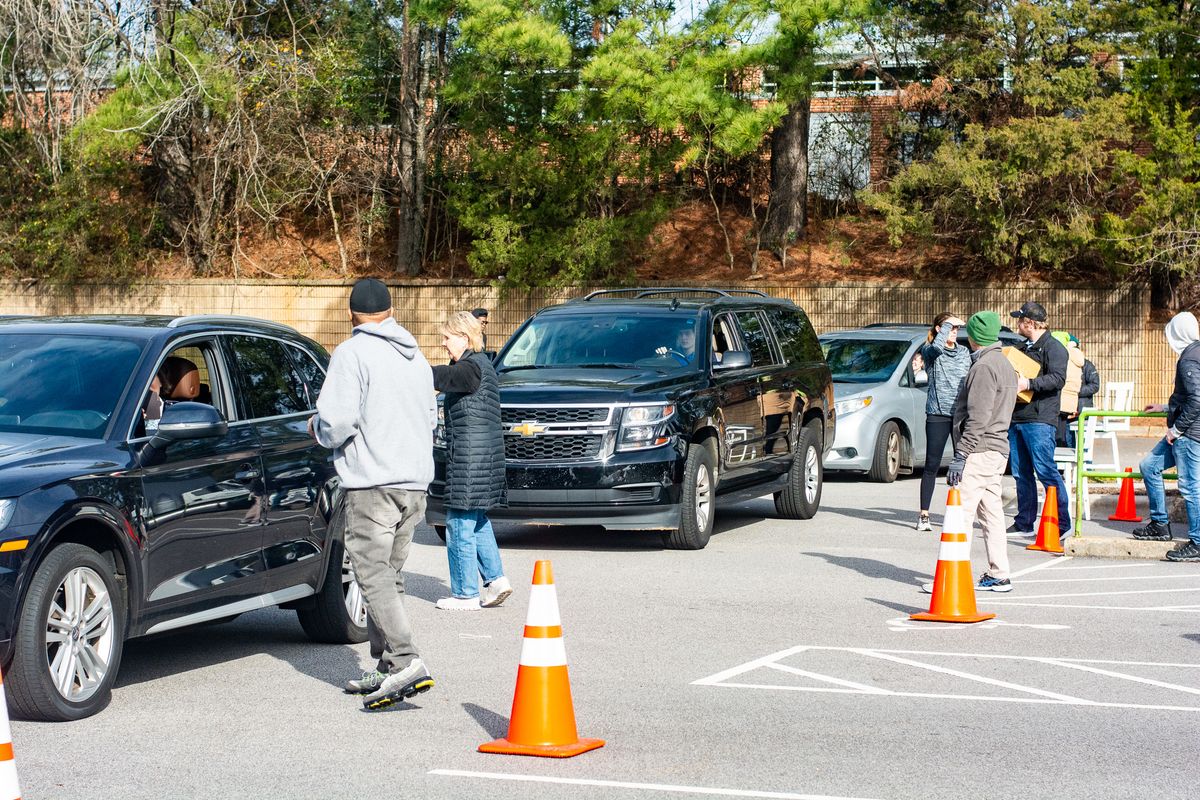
[(603, 366), (521, 366)]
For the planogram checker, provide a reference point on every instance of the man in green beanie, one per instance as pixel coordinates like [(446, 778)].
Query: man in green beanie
[(979, 431)]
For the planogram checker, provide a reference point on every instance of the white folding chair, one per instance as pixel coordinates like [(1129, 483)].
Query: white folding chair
[(1065, 459), (1118, 396)]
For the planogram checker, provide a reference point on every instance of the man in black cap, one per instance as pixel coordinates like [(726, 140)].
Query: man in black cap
[(377, 413), (481, 314), (1031, 436)]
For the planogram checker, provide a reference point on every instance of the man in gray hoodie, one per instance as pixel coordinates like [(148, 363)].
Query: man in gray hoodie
[(982, 415), (1180, 448), (377, 412)]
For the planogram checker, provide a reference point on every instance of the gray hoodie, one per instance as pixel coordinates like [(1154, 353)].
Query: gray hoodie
[(377, 409)]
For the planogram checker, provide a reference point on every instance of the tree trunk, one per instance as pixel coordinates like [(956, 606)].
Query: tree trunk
[(788, 211), (417, 53)]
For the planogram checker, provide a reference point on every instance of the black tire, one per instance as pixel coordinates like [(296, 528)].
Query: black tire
[(802, 496), (440, 530), (328, 618), (889, 448), (697, 503), (31, 690)]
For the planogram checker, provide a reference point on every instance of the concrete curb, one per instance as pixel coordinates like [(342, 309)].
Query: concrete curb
[(1113, 547)]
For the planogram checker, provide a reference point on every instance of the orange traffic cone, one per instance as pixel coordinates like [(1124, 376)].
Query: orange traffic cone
[(1126, 505), (10, 788), (953, 587), (1047, 538), (543, 716)]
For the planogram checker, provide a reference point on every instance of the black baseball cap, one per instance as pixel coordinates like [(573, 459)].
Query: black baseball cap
[(370, 296), (1031, 310)]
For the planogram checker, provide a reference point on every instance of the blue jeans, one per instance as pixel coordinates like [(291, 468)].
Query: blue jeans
[(1031, 457), (472, 551), (1184, 455)]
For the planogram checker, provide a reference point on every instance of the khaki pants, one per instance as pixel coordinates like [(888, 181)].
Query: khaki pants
[(980, 491)]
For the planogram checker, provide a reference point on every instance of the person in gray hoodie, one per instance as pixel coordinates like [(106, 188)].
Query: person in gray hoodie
[(982, 415), (947, 365), (1180, 448), (377, 412)]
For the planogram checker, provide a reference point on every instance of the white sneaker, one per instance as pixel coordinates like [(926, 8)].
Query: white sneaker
[(923, 523), (495, 592), (459, 604), (927, 588)]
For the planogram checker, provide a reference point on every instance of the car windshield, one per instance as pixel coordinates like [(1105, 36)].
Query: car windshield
[(664, 342), (61, 384), (863, 360)]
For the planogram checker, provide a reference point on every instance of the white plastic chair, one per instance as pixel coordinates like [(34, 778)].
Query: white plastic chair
[(1118, 396), (1065, 459)]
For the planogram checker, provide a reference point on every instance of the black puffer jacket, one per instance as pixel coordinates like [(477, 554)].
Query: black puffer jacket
[(474, 437), (1183, 409)]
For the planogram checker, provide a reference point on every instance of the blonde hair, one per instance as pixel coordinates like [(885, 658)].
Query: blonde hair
[(462, 323)]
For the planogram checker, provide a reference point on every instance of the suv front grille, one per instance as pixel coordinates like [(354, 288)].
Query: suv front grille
[(515, 415), (546, 448)]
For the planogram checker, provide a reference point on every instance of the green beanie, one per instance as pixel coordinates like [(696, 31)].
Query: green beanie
[(984, 327)]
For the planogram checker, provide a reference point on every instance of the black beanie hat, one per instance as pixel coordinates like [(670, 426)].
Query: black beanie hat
[(370, 296)]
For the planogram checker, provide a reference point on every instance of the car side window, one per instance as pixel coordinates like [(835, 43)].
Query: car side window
[(757, 340), (795, 334), (186, 373), (271, 383), (310, 372)]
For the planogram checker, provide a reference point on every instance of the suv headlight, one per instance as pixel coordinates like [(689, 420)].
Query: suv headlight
[(844, 407), (439, 432), (644, 426), (6, 512)]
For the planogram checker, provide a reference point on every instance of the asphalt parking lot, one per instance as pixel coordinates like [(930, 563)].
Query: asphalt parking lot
[(778, 663)]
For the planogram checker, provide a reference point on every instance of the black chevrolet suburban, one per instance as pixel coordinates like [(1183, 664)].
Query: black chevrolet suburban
[(635, 409)]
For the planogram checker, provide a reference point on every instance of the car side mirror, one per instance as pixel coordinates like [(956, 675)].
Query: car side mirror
[(179, 422), (921, 378), (732, 359)]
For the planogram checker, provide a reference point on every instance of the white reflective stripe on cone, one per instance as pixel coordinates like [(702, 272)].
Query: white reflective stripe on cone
[(543, 606), (543, 652), (954, 521), (955, 551)]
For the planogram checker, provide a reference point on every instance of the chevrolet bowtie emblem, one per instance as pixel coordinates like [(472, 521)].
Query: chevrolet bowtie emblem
[(528, 428)]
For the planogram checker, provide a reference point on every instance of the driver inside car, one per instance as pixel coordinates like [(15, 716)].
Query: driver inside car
[(685, 346)]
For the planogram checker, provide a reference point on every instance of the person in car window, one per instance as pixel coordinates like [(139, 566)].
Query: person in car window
[(377, 412), (946, 364), (179, 379), (475, 479), (685, 346)]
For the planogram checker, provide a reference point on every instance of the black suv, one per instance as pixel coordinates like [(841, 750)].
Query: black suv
[(109, 530), (637, 408)]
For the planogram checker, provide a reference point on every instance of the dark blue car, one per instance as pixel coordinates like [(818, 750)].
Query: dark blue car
[(155, 473)]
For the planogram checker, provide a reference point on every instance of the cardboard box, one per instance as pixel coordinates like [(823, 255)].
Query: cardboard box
[(1025, 367)]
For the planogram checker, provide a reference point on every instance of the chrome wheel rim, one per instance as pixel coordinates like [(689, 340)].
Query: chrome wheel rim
[(80, 640), (812, 475), (893, 453), (703, 497), (356, 605)]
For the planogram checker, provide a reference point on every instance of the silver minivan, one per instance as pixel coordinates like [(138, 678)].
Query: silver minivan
[(880, 397)]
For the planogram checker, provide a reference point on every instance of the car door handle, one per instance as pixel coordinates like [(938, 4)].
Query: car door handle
[(247, 475)]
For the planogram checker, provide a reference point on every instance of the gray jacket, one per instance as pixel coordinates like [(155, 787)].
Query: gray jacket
[(985, 405), (947, 368), (377, 410)]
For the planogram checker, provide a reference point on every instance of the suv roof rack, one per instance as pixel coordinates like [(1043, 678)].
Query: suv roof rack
[(671, 290), (228, 318)]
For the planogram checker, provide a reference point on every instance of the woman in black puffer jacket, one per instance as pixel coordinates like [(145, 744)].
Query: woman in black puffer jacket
[(474, 466)]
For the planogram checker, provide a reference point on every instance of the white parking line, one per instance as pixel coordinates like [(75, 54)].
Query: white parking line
[(1096, 608), (1114, 566), (1097, 594), (842, 685), (651, 787), (1107, 579), (1043, 565)]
